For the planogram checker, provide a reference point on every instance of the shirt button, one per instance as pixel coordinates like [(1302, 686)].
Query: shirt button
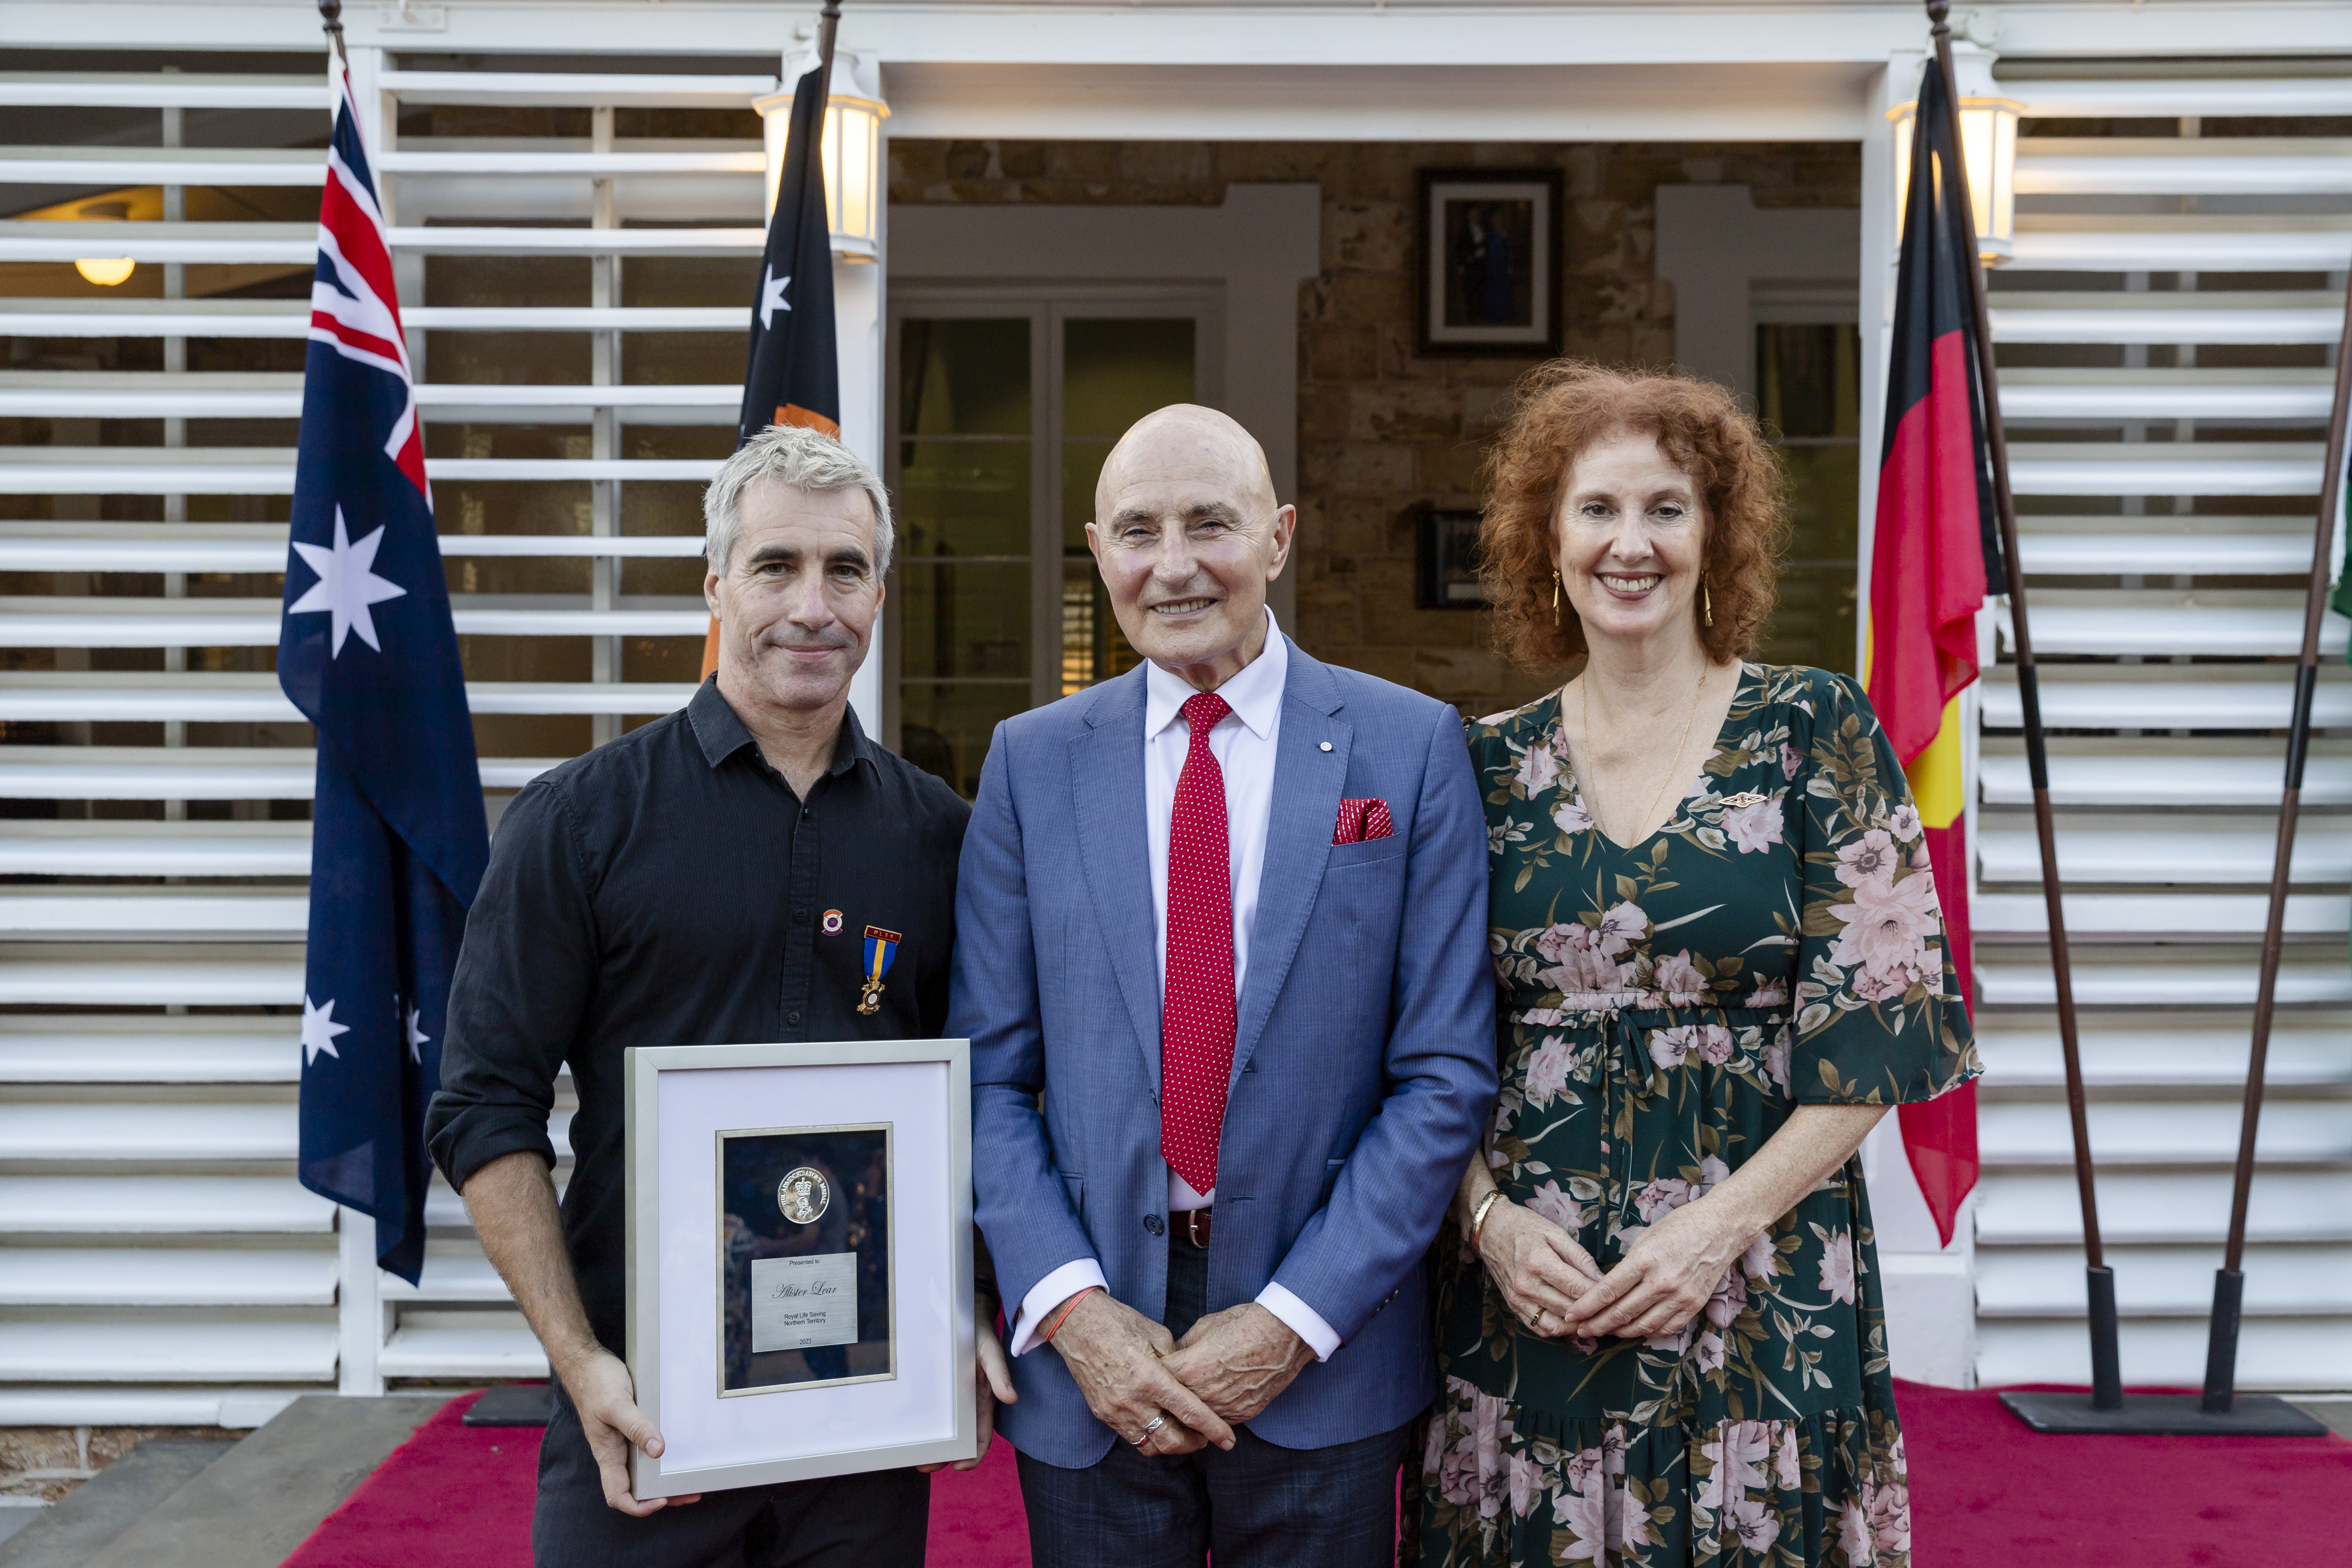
[(791, 1018), (1155, 1224), (800, 917)]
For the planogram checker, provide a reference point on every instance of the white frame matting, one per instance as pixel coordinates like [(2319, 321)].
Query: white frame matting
[(679, 1098)]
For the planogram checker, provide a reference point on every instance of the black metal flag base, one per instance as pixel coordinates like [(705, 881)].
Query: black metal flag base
[(2071, 1412)]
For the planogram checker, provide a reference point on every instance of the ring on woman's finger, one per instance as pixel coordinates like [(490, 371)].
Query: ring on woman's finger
[(1154, 1425)]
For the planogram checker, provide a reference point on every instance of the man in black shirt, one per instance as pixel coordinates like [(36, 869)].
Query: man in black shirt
[(706, 880)]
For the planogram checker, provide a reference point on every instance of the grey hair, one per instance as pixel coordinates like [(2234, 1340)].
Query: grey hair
[(804, 460)]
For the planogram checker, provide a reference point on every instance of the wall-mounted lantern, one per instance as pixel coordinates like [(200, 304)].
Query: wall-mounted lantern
[(852, 156), (1988, 145)]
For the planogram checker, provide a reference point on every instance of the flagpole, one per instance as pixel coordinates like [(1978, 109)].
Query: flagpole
[(828, 23), (333, 25), (2107, 1375), (2229, 1281)]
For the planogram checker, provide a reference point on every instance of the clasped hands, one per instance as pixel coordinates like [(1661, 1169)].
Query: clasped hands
[(1164, 1396), (1556, 1289)]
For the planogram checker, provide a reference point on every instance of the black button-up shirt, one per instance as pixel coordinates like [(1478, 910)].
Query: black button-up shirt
[(669, 888)]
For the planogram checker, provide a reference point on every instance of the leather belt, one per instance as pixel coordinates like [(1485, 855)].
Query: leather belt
[(1192, 1225)]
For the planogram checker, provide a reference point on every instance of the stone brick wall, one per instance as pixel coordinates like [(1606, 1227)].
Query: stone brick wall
[(1381, 430)]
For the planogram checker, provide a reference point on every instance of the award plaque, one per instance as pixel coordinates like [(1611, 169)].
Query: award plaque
[(800, 1269)]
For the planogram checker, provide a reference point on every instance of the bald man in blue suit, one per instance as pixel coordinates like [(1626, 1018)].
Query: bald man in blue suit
[(1221, 956)]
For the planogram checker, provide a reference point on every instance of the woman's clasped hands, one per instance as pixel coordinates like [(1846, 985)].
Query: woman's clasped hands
[(1668, 1272)]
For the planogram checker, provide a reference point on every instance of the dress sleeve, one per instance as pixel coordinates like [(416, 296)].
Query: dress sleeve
[(1878, 1016)]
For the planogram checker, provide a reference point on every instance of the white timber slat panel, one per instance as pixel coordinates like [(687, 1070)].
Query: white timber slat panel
[(133, 90), (2165, 1281), (101, 975), (25, 621), (2185, 244), (2164, 1133), (2145, 776), (2239, 316), (2018, 976), (151, 914), (2140, 849), (86, 167), (203, 697), (147, 1048), (2237, 166), (2156, 914), (85, 848), (575, 89), (2165, 468), (195, 547), (2167, 96), (2273, 1353), (256, 471), (2138, 1206), (166, 1350), (127, 1277), (2181, 703), (449, 1275), (2176, 551), (462, 1344), (176, 1205), (195, 773), (71, 318), (2166, 1050), (175, 1130)]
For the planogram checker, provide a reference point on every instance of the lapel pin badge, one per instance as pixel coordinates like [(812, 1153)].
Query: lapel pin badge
[(833, 922)]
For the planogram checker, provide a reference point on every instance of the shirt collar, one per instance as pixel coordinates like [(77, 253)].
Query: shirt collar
[(1254, 692), (719, 731)]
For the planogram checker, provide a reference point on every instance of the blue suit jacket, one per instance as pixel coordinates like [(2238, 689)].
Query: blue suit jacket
[(1363, 1059)]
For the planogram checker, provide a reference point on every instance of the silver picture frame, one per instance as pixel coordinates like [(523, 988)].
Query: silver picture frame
[(807, 1430)]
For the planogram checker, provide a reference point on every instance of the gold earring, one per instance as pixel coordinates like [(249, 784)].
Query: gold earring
[(1706, 602), (1555, 591)]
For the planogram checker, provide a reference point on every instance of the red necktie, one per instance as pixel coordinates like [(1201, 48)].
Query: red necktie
[(1196, 1024)]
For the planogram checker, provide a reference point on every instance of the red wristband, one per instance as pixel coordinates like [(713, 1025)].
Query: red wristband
[(1067, 1307)]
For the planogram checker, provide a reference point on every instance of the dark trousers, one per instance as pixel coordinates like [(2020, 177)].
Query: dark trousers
[(879, 1519), (1258, 1506)]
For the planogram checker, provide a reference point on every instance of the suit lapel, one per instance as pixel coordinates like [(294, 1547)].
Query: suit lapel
[(1107, 779), (1308, 782)]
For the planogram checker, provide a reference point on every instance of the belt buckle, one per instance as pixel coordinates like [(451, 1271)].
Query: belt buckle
[(1196, 1227)]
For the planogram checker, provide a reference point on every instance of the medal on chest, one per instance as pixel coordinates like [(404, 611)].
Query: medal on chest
[(881, 952)]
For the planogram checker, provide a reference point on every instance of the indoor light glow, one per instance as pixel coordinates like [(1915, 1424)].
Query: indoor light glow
[(1989, 144), (106, 273), (852, 158)]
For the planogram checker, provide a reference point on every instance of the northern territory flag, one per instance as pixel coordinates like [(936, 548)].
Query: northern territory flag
[(1936, 548), (793, 374)]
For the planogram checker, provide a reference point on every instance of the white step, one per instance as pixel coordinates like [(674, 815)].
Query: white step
[(2210, 624), (2155, 914), (2205, 699), (2114, 396), (2162, 1281), (147, 1047), (462, 1345), (2146, 771), (2272, 1353), (144, 975), (2169, 1050), (2158, 546), (2147, 166), (2106, 976), (269, 470), (2164, 1133), (168, 1349), (161, 1206), (71, 848), (207, 697), (72, 318), (2023, 316), (151, 914), (2158, 850), (119, 1131), (262, 547), (2137, 1206), (2070, 242), (177, 1276), (2165, 468), (194, 773), (66, 621)]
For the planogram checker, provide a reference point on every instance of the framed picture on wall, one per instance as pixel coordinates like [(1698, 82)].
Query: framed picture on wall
[(1490, 261), (1446, 561)]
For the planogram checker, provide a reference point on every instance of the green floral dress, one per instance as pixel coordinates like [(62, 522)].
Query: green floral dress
[(1662, 1010)]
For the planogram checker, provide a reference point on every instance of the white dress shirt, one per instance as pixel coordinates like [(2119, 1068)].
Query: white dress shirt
[(1244, 744)]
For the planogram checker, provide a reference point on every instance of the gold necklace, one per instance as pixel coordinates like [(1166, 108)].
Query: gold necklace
[(1673, 764)]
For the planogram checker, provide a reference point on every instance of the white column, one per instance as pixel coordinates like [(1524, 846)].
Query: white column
[(860, 325), (359, 1316)]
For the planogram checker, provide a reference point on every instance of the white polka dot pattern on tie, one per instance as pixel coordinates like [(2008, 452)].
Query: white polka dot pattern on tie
[(1196, 1027)]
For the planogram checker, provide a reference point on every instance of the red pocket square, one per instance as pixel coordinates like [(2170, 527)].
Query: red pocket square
[(1361, 821)]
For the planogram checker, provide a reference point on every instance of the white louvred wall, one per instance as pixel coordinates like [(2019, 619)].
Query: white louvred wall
[(2166, 335), (573, 252)]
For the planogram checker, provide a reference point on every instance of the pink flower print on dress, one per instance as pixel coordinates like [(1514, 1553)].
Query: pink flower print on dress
[(1755, 828), (1903, 824), (1548, 1071), (1837, 1267), (1581, 1510), (1730, 1299), (1538, 770), (1556, 941), (1870, 859), (1557, 1206), (1659, 1197), (1713, 1042), (1888, 926), (1708, 1350), (1739, 1452), (1621, 927), (1582, 973), (1671, 1047), (1792, 760), (1573, 817), (1756, 1263), (1753, 1520), (1773, 993), (1853, 1535), (1776, 1058), (1680, 980), (1525, 1485)]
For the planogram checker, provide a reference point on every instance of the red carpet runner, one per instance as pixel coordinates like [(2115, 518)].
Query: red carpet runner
[(1983, 1491)]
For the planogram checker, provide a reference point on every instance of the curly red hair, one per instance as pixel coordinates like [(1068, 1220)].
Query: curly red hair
[(1560, 409)]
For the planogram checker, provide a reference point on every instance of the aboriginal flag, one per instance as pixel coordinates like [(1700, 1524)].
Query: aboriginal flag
[(793, 374), (1936, 549)]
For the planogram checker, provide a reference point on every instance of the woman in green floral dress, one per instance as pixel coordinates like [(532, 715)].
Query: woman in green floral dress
[(1659, 1318)]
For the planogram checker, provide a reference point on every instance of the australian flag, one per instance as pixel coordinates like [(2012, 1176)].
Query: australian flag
[(367, 650)]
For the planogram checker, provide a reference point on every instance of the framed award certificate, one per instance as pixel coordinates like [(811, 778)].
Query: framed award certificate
[(800, 1271)]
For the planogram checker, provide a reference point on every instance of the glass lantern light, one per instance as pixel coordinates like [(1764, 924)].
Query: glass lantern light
[(851, 158), (1988, 145)]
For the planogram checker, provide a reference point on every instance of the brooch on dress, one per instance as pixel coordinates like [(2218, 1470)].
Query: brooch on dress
[(1746, 797)]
